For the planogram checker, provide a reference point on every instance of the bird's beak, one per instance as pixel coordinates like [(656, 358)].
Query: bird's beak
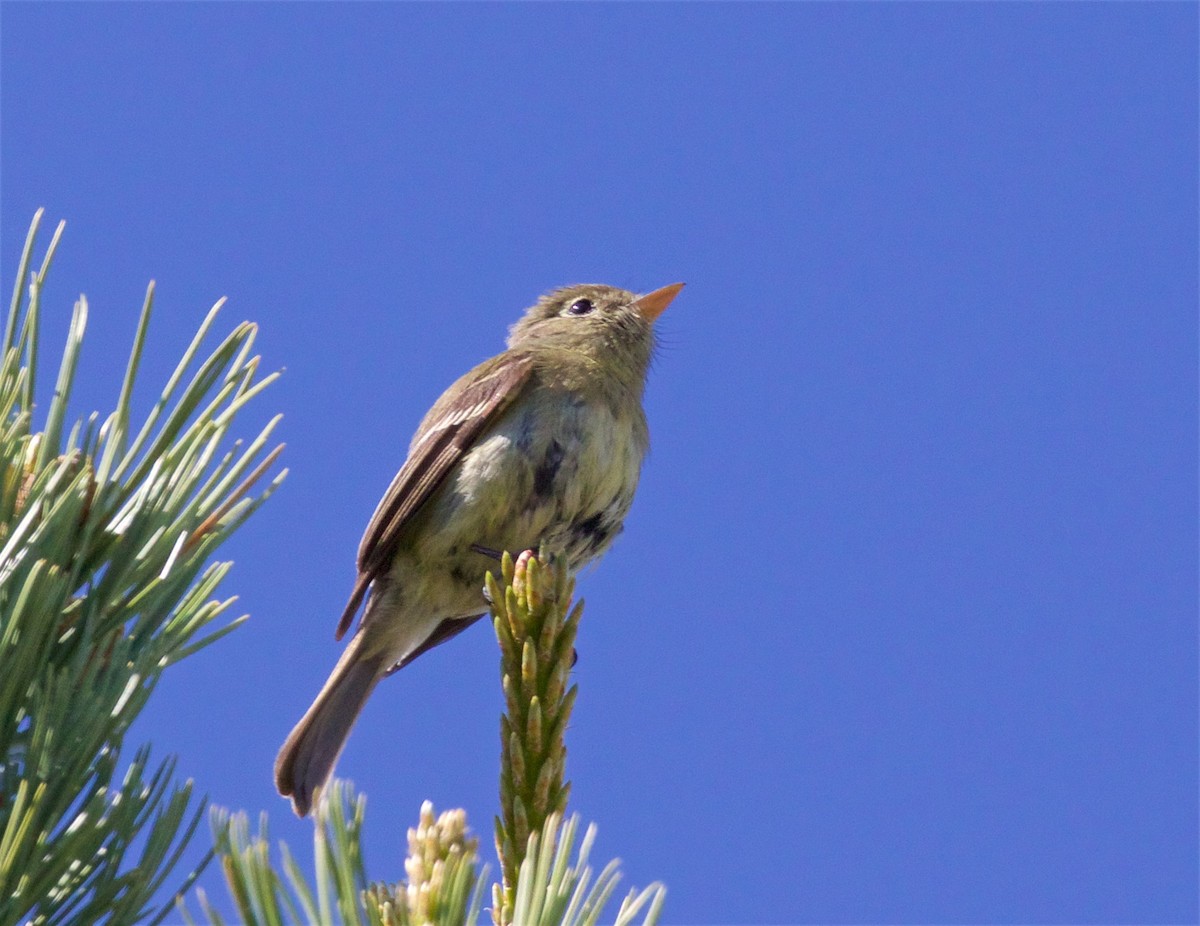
[(654, 304)]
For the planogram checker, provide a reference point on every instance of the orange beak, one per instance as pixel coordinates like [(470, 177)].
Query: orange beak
[(654, 304)]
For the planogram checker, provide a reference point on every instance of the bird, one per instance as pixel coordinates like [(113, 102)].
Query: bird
[(542, 444)]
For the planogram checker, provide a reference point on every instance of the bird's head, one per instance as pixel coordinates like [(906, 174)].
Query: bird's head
[(612, 326)]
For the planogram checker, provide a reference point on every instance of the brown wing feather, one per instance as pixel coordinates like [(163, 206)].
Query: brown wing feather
[(449, 430)]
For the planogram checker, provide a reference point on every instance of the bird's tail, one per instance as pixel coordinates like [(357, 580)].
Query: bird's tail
[(312, 748)]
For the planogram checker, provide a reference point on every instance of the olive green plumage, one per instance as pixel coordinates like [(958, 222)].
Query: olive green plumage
[(540, 445)]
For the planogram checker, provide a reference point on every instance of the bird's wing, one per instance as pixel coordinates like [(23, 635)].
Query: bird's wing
[(448, 431)]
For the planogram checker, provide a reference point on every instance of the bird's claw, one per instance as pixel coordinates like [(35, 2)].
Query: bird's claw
[(487, 551)]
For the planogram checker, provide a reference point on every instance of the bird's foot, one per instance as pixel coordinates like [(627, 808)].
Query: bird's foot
[(521, 565)]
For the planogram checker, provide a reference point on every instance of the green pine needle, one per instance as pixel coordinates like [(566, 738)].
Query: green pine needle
[(104, 582)]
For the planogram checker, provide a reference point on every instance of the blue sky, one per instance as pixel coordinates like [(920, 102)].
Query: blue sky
[(903, 626)]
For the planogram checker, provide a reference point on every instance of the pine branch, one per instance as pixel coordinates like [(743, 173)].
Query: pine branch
[(105, 580), (536, 626), (536, 633)]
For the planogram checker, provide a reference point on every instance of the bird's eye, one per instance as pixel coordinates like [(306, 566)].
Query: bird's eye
[(580, 307)]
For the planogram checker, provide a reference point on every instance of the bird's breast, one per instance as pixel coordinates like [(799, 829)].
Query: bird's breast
[(554, 469)]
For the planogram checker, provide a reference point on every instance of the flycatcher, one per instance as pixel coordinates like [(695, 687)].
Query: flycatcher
[(541, 444)]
